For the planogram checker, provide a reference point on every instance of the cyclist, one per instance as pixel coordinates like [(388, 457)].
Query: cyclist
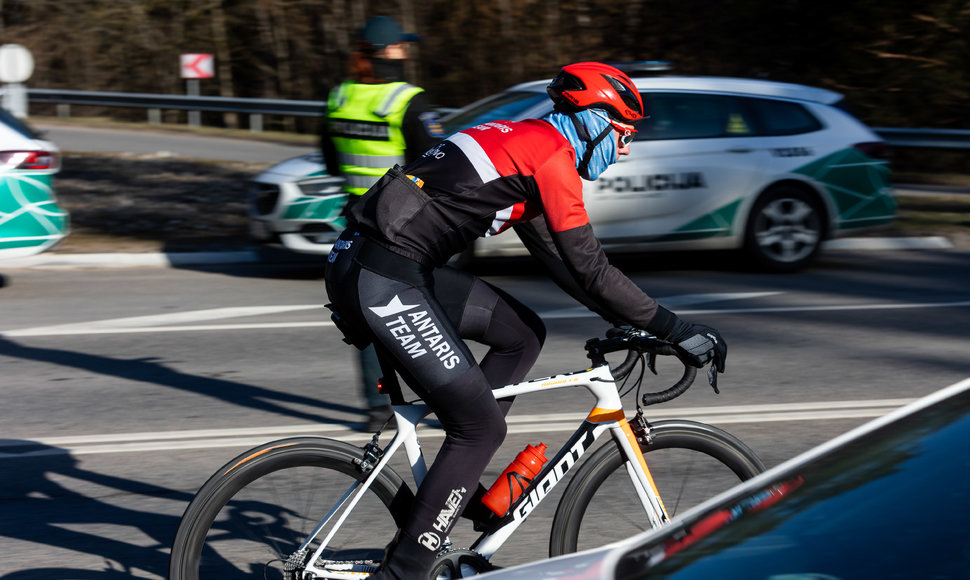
[(387, 279), (373, 121)]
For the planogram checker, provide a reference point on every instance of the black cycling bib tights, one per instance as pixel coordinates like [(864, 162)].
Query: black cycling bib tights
[(422, 319)]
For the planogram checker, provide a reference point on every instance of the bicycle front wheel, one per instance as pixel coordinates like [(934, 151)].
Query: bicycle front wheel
[(253, 514), (690, 462)]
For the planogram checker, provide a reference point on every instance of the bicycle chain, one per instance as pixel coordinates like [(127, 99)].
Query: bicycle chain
[(360, 566), (294, 564)]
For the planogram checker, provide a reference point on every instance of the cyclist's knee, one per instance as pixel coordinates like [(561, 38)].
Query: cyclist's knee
[(483, 421), (497, 427), (470, 415)]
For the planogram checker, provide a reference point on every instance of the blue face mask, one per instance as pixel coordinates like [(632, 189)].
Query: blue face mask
[(603, 153)]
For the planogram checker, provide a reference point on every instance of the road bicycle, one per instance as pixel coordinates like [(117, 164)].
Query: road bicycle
[(307, 508)]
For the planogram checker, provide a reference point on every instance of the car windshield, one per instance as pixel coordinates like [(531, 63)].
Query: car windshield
[(509, 105), (892, 504)]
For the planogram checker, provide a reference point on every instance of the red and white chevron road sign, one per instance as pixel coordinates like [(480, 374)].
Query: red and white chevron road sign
[(197, 66)]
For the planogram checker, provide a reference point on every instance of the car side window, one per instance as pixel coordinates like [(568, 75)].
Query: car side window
[(782, 117), (693, 116), (507, 105)]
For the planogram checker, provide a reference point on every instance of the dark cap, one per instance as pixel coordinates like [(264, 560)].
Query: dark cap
[(382, 31)]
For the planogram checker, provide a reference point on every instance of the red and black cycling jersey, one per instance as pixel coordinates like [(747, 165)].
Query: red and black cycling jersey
[(486, 179)]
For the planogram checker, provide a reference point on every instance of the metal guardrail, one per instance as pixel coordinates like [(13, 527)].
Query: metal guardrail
[(256, 108), (179, 102), (156, 103), (929, 138)]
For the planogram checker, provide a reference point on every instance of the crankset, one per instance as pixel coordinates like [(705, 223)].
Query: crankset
[(459, 564)]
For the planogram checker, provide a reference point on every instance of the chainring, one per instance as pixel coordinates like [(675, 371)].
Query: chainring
[(459, 564)]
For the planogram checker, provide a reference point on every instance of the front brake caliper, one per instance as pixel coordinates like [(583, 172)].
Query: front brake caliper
[(641, 429), (371, 456)]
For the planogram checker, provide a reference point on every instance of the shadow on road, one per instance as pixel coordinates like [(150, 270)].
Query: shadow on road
[(40, 507), (149, 370)]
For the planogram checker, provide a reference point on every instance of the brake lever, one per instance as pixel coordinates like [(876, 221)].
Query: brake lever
[(652, 362), (712, 378)]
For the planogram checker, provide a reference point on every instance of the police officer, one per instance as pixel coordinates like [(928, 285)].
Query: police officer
[(376, 120)]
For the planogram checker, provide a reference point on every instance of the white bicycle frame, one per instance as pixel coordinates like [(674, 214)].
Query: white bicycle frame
[(606, 415)]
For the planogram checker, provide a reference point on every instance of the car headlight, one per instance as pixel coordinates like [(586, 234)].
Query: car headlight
[(327, 185)]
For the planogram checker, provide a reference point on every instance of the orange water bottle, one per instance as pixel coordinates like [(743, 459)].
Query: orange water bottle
[(516, 477)]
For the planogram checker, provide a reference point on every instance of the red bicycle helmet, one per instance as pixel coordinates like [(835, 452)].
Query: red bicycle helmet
[(594, 85)]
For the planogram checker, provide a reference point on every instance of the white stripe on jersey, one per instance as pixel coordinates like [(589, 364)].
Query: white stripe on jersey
[(502, 217), (476, 155)]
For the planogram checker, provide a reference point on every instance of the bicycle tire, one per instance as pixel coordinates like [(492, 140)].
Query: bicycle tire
[(256, 510), (600, 506)]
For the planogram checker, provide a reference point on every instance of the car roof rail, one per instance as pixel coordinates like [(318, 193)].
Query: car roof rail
[(643, 67)]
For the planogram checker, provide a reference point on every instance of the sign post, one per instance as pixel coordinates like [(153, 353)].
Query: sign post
[(195, 67), (16, 66)]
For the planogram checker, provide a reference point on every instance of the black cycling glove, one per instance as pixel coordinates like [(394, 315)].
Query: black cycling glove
[(698, 344)]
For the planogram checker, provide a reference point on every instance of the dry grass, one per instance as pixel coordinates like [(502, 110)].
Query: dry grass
[(937, 215), (138, 204)]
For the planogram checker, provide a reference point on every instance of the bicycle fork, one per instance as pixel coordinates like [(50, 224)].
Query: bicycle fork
[(630, 435)]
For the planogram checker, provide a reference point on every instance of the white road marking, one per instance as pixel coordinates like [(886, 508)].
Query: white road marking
[(51, 331), (158, 322), (677, 302), (543, 423), (831, 308), (155, 323)]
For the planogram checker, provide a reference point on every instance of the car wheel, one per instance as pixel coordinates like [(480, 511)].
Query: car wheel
[(785, 229)]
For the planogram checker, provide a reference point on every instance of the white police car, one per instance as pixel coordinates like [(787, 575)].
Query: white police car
[(297, 204), (30, 219), (721, 163)]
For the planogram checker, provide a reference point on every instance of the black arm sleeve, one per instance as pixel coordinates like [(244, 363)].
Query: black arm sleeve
[(536, 239), (576, 262), (585, 259), (421, 128)]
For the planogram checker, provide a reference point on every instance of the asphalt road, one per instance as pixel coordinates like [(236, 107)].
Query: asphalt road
[(123, 389)]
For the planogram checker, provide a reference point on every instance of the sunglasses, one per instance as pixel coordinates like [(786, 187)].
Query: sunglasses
[(627, 133)]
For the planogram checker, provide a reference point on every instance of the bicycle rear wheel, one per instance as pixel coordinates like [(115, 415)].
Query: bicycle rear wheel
[(254, 513), (690, 462)]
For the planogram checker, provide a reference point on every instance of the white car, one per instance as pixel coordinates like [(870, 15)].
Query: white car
[(720, 163), (296, 203), (30, 219)]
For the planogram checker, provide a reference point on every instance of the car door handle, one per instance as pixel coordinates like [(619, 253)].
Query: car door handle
[(740, 150)]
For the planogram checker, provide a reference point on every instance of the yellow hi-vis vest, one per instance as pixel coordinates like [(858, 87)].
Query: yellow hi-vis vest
[(365, 126)]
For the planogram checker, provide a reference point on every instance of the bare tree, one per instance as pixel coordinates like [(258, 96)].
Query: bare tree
[(898, 62)]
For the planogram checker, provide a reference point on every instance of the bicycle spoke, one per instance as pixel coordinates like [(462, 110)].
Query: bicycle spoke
[(684, 478), (690, 462), (267, 517)]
